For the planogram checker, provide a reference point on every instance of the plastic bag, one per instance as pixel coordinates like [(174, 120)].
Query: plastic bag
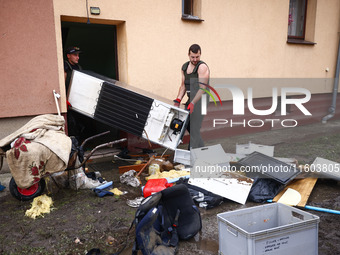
[(264, 189), (79, 180)]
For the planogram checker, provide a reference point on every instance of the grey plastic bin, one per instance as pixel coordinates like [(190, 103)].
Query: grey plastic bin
[(268, 229)]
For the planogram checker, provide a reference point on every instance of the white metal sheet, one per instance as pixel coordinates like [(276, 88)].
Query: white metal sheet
[(235, 189), (251, 147), (326, 168), (157, 127), (84, 92), (213, 154)]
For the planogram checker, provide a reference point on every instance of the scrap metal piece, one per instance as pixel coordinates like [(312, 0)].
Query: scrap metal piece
[(326, 168), (260, 165)]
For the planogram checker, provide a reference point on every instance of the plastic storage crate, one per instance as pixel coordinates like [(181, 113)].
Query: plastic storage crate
[(268, 229)]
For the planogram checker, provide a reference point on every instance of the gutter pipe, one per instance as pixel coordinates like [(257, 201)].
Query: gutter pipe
[(331, 110)]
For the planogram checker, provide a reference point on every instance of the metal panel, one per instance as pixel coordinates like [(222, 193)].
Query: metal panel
[(326, 168), (268, 167), (158, 125), (123, 109)]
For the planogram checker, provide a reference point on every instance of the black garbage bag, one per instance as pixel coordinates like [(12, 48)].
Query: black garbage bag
[(264, 189), (77, 151)]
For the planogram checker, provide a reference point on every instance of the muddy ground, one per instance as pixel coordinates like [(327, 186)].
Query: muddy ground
[(93, 220)]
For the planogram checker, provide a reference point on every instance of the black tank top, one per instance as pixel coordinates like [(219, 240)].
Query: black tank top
[(191, 79)]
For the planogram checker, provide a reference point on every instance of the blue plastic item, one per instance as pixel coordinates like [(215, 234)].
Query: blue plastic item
[(319, 209), (101, 190), (322, 209), (105, 185)]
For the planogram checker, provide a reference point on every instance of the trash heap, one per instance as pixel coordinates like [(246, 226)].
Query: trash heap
[(213, 176), (210, 177)]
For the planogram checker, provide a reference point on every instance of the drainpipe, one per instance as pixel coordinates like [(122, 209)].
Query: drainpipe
[(331, 110)]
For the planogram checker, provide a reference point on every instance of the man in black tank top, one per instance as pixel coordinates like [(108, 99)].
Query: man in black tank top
[(195, 73)]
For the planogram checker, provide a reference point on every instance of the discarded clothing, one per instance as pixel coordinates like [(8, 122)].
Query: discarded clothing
[(102, 192), (129, 178), (135, 202)]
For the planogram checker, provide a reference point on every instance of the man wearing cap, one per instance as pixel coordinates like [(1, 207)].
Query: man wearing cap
[(75, 121), (71, 63)]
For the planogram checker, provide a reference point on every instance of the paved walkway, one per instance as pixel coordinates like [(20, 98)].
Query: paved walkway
[(279, 136)]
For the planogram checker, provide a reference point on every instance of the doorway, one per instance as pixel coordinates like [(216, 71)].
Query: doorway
[(98, 45)]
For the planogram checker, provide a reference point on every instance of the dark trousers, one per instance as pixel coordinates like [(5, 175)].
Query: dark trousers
[(194, 127)]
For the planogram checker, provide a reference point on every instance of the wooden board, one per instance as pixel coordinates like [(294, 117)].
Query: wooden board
[(137, 168), (303, 186), (147, 156)]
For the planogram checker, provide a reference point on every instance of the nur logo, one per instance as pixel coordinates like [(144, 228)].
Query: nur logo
[(205, 99)]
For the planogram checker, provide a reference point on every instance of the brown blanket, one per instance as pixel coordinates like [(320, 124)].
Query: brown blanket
[(39, 147)]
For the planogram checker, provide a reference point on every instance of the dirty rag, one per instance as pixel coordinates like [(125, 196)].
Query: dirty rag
[(129, 178), (135, 202), (116, 192)]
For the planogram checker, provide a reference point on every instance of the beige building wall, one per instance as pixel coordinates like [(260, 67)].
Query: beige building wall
[(28, 58), (239, 39)]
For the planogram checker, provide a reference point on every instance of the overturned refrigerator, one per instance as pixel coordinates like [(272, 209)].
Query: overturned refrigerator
[(127, 108)]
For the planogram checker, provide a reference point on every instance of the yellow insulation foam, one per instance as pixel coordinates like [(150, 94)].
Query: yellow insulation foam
[(40, 205), (168, 174)]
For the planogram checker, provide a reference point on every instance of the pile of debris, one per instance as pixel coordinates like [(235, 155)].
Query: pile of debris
[(251, 174), (213, 176)]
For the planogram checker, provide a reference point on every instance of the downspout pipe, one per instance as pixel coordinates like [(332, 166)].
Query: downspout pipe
[(331, 110)]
